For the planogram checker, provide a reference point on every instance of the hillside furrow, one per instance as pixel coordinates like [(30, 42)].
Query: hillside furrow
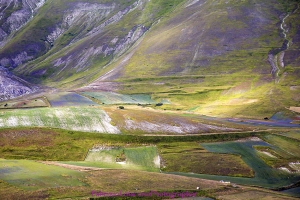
[(276, 56)]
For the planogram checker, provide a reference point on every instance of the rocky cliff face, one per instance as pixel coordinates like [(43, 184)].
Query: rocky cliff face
[(14, 14), (12, 86), (81, 33)]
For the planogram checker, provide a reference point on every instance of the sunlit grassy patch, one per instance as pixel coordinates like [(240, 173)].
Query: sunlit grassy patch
[(227, 95), (288, 145)]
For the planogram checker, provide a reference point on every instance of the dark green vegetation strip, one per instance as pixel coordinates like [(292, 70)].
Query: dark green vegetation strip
[(156, 195), (63, 145)]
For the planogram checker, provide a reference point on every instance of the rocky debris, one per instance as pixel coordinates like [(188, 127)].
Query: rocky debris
[(79, 14), (117, 17), (84, 58), (88, 14), (274, 60), (12, 86)]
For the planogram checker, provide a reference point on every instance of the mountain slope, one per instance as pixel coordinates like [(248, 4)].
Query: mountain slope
[(78, 38), (15, 14), (212, 57)]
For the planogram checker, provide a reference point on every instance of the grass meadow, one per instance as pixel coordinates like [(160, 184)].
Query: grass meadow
[(32, 175)]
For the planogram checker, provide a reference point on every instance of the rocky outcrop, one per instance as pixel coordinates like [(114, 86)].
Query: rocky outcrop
[(86, 15), (12, 86), (117, 17), (89, 38), (14, 14), (116, 46)]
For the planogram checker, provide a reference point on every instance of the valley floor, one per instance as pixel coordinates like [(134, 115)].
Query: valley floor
[(128, 143)]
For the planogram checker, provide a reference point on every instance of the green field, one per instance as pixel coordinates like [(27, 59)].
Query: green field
[(292, 134), (265, 176), (139, 158), (32, 175), (285, 151)]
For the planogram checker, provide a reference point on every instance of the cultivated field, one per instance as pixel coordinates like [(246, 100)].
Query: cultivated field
[(70, 118), (265, 175), (65, 99), (32, 175), (146, 120), (192, 158), (138, 158)]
